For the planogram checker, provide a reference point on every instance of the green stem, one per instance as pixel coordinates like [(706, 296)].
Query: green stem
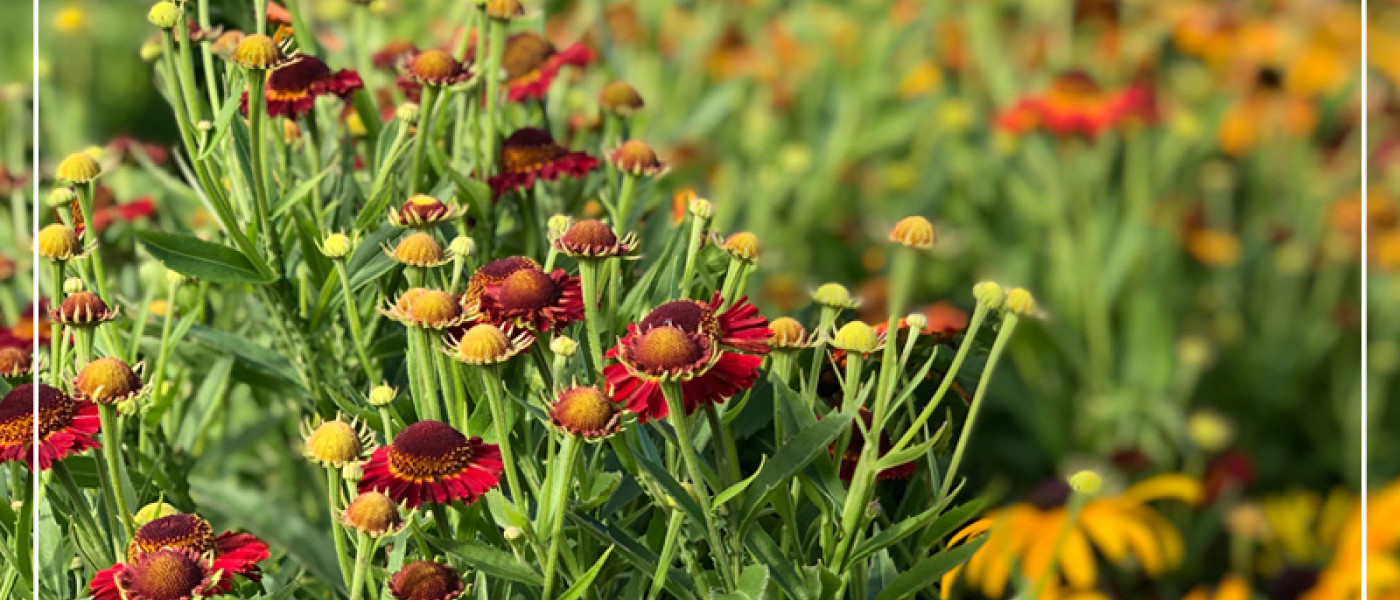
[(334, 484), (675, 404), (56, 337), (111, 446), (363, 550), (626, 195), (352, 315), (588, 280), (668, 553), (559, 496), (969, 336), (492, 383), (1008, 326), (424, 137), (496, 29)]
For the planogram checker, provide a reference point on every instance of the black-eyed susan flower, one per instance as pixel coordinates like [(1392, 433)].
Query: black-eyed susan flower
[(531, 154), (422, 211), (59, 242), (531, 63), (1374, 540), (336, 443), (83, 309), (108, 380), (856, 445), (429, 309), (66, 426), (591, 238), (426, 580), (1025, 537), (257, 52), (635, 157), (493, 273), (374, 514), (435, 67), (585, 411), (294, 85), (419, 250), (15, 364), (166, 574), (694, 343), (430, 462), (531, 299), (1075, 104), (232, 553), (487, 344), (620, 98)]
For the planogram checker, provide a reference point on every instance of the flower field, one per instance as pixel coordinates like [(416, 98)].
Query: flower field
[(740, 299)]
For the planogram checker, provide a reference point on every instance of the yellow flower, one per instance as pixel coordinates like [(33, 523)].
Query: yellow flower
[(1231, 587), (1341, 580), (1025, 536), (70, 19)]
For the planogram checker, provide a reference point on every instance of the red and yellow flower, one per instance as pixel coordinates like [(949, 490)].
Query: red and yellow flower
[(430, 462), (1075, 104), (66, 426), (711, 352), (292, 87), (165, 574), (531, 154), (531, 63), (531, 299), (231, 554)]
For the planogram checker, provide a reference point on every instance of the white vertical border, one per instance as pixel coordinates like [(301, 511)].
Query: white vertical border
[(34, 296), (1365, 333)]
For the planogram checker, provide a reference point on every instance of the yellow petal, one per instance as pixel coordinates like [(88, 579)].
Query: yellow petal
[(1040, 544), (1144, 546), (1077, 561), (1103, 529), (975, 528), (1197, 593), (1232, 587), (945, 590), (1163, 487)]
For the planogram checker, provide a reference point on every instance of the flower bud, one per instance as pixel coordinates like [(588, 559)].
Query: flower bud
[(78, 168), (61, 197), (513, 534), (1209, 430), (58, 242), (150, 50), (988, 294), (1020, 302), (336, 246), (563, 346), (164, 15), (701, 208), (916, 321), (856, 337), (834, 295), (353, 472), (382, 395), (175, 279), (1087, 483), (153, 511), (204, 126), (73, 285), (913, 232), (408, 113), (462, 246), (557, 225)]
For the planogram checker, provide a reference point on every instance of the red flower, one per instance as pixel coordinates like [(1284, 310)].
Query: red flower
[(531, 154), (531, 64), (530, 298), (293, 86), (165, 574), (66, 426), (857, 443), (1076, 104), (231, 554), (430, 462), (393, 54), (692, 343)]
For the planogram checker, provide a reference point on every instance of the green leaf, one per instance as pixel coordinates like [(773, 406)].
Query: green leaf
[(225, 116), (489, 560), (763, 548), (752, 584), (789, 460), (299, 192), (584, 583), (259, 359), (632, 551), (738, 488), (939, 525), (207, 261), (927, 571), (672, 487)]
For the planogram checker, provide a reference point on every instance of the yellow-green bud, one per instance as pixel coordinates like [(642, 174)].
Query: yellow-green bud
[(834, 295), (353, 471), (164, 15), (512, 534), (462, 246), (856, 337), (337, 246), (382, 395), (150, 51), (563, 346), (916, 321), (204, 126), (61, 197), (701, 208), (174, 278), (407, 112), (1087, 483), (1209, 430), (153, 511), (557, 225), (1020, 302), (73, 285), (988, 294)]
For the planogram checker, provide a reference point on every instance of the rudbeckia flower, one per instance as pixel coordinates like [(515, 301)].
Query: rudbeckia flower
[(430, 462), (691, 342), (1075, 104), (530, 298), (1342, 578), (532, 62), (531, 154), (293, 86), (66, 426), (166, 574), (1024, 536), (233, 554)]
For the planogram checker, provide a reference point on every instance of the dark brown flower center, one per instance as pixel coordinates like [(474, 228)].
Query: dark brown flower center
[(428, 450), (529, 289), (423, 208), (666, 348), (525, 52), (1050, 494), (82, 306), (688, 315), (166, 574), (425, 580), (17, 416), (13, 360), (187, 532), (495, 272), (590, 232), (297, 75), (635, 155), (529, 149)]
